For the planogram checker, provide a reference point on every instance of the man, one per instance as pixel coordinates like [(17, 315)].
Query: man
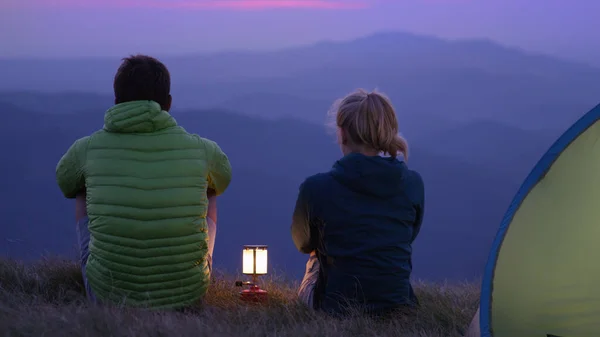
[(144, 187)]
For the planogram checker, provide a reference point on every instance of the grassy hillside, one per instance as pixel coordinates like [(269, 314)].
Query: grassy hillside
[(46, 299)]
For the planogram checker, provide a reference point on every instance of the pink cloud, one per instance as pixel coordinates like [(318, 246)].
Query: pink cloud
[(196, 4)]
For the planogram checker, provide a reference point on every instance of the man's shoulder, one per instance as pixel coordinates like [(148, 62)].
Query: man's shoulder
[(95, 135), (194, 137), (205, 141), (176, 134), (82, 143), (208, 144)]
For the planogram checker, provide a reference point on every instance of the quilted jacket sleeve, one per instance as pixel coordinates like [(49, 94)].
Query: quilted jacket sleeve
[(69, 171), (219, 168)]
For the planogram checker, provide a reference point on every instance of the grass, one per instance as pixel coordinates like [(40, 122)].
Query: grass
[(47, 299)]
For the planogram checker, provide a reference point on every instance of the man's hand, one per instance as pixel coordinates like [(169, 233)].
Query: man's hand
[(80, 206)]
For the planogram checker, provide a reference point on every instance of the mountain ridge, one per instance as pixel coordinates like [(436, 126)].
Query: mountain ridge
[(396, 34), (445, 80)]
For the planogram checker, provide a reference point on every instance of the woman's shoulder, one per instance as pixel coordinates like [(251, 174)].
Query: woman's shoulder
[(414, 177), (415, 185), (316, 180), (312, 187)]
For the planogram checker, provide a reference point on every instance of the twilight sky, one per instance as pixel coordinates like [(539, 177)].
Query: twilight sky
[(76, 28)]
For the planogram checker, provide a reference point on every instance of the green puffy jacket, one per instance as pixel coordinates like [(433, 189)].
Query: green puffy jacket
[(146, 180)]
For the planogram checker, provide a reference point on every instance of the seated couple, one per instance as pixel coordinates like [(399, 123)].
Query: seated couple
[(146, 204)]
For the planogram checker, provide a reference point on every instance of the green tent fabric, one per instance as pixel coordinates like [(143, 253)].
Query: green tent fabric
[(542, 277)]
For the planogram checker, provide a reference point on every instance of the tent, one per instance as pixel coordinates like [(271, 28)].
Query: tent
[(542, 277)]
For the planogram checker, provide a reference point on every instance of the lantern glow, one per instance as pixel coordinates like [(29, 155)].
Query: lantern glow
[(254, 260)]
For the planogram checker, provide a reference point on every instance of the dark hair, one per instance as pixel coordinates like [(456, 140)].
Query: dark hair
[(142, 77)]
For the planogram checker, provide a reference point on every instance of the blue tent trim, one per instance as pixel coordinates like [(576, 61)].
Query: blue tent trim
[(537, 174)]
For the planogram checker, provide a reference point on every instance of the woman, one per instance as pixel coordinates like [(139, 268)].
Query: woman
[(358, 221)]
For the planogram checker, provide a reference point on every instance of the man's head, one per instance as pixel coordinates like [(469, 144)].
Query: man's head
[(142, 77)]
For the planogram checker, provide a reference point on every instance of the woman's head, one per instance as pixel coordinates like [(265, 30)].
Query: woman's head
[(366, 122)]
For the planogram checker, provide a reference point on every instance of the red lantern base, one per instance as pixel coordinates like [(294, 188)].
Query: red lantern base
[(254, 295)]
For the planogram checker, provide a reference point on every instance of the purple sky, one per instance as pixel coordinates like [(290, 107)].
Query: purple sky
[(59, 28)]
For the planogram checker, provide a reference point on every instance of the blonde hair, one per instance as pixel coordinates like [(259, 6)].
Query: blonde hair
[(369, 119)]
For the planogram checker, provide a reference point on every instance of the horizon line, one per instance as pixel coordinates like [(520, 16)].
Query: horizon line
[(238, 5)]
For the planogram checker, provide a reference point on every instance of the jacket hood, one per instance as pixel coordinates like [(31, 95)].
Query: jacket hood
[(378, 176), (137, 117)]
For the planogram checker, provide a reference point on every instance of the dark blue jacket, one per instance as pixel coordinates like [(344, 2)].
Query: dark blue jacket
[(362, 218)]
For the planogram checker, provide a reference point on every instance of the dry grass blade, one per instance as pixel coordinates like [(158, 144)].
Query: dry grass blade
[(46, 299)]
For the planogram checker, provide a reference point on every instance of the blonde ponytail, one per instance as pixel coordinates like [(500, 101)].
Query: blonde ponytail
[(369, 119), (399, 145)]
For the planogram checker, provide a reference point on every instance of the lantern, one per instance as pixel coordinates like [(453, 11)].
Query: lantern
[(254, 263), (254, 260)]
